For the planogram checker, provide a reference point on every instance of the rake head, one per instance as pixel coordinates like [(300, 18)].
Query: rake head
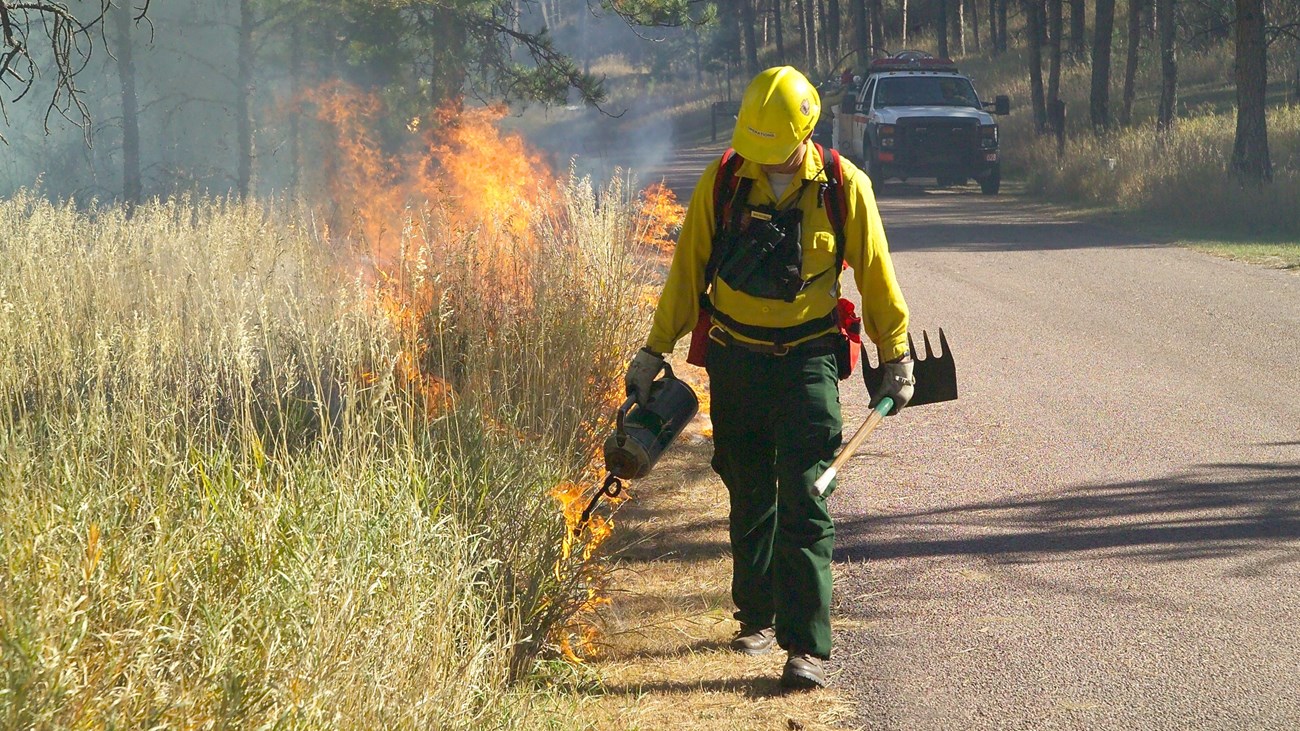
[(936, 375)]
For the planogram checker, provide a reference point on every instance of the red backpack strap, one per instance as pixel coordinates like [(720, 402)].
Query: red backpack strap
[(730, 193), (725, 190), (835, 198)]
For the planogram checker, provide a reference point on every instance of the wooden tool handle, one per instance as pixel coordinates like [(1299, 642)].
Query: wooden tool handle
[(885, 406)]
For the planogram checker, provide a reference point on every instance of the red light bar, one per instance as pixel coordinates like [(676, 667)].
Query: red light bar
[(882, 65)]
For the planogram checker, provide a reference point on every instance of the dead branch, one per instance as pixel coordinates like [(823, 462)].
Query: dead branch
[(70, 41)]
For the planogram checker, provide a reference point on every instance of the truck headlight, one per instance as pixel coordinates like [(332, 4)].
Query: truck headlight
[(886, 133), (989, 136)]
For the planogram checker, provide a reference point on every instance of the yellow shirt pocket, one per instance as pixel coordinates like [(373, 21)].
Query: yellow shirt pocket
[(818, 254)]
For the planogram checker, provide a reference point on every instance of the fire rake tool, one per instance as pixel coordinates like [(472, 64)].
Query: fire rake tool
[(936, 381), (642, 434)]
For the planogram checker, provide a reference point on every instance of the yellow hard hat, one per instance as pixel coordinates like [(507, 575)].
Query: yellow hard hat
[(777, 113)]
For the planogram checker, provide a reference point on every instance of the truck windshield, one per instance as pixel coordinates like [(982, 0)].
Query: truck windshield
[(925, 91)]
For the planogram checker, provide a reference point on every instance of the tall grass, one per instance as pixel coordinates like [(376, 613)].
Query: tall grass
[(1183, 178), (229, 498)]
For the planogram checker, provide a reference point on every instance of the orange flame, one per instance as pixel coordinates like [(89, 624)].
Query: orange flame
[(458, 178), (660, 217)]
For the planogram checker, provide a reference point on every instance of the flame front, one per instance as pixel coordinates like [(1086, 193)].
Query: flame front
[(459, 179), (660, 218)]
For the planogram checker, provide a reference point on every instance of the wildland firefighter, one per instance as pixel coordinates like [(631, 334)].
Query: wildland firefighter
[(756, 276)]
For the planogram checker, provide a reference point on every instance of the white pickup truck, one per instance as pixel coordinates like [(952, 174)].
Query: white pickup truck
[(915, 116)]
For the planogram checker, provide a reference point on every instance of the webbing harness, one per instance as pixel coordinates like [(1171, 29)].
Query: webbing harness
[(730, 195)]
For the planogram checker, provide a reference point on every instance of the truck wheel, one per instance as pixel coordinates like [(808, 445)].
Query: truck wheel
[(992, 183)]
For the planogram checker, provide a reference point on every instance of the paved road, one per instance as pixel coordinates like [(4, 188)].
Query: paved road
[(1104, 532)]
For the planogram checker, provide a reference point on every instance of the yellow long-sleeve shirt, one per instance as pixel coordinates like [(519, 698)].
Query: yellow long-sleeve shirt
[(884, 315)]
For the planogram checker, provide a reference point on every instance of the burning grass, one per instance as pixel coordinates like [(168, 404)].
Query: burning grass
[(253, 478)]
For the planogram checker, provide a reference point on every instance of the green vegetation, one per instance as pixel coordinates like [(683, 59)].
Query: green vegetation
[(252, 481), (1281, 255)]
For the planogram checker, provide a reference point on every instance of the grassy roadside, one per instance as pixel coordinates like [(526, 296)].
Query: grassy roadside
[(1273, 251), (1281, 255), (663, 661)]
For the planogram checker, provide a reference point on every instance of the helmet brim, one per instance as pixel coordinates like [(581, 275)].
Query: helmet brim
[(760, 152)]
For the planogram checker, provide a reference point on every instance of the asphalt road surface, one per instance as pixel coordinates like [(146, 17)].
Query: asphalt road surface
[(1104, 531)]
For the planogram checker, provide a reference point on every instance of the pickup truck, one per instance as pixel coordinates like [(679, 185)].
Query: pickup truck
[(916, 116)]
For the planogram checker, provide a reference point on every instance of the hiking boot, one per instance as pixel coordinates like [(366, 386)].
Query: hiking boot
[(754, 640), (803, 672)]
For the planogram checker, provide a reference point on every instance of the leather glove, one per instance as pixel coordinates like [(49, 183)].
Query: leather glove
[(641, 374), (898, 384)]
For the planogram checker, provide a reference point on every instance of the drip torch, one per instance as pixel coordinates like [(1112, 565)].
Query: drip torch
[(642, 433)]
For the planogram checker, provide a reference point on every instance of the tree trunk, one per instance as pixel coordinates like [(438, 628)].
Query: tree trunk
[(1079, 28), (975, 23), (941, 28), (809, 37), (132, 184), (751, 40), (828, 40), (961, 26), (1099, 103), (1002, 25), (1295, 85), (1168, 66), (811, 29), (903, 8), (1056, 29), (878, 26), (584, 37), (1250, 150), (243, 102), (861, 27), (834, 29), (993, 27), (1034, 19), (1131, 60), (780, 34), (699, 57)]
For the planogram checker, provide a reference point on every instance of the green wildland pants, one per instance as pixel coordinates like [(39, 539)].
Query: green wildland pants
[(776, 426)]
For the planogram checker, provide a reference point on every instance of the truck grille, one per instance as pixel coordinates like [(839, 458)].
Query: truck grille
[(937, 141)]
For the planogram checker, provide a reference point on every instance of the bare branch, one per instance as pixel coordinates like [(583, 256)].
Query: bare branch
[(70, 42)]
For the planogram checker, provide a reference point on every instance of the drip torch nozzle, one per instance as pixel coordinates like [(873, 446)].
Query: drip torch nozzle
[(612, 488)]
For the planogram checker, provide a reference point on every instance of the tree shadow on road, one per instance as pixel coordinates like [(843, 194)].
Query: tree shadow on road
[(1215, 510), (964, 221)]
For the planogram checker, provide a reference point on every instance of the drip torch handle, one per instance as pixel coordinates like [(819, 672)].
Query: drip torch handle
[(620, 433)]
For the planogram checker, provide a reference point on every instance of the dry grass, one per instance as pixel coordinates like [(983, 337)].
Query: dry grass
[(1183, 180), (664, 661), (234, 496)]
